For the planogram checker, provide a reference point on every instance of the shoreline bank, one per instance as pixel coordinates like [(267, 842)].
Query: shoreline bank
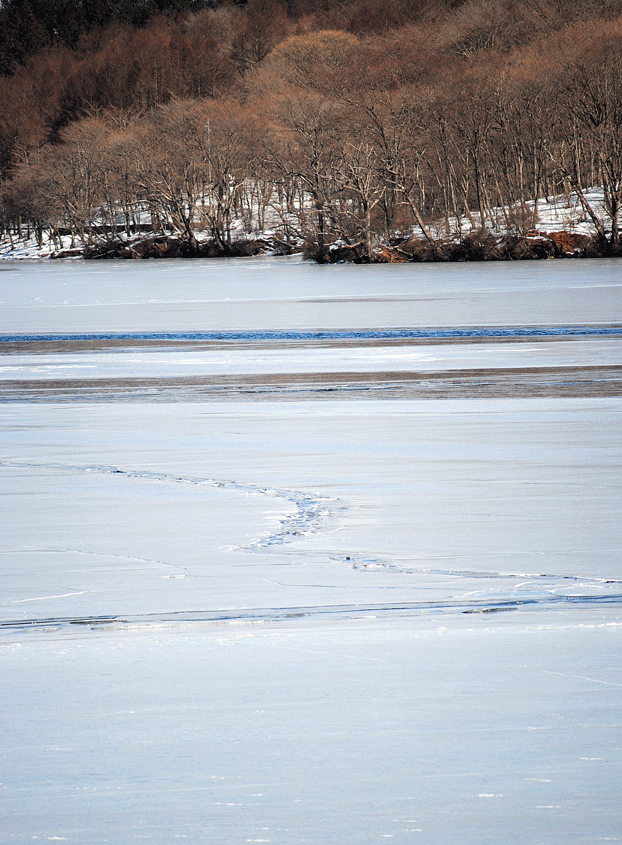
[(535, 245)]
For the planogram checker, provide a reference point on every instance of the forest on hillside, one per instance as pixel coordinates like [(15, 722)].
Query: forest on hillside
[(355, 122)]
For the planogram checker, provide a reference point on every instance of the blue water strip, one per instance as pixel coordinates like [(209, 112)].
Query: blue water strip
[(326, 334)]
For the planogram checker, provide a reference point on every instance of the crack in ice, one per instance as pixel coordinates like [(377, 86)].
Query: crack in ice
[(310, 511)]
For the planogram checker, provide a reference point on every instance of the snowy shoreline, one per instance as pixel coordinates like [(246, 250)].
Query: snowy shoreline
[(559, 227), (536, 245)]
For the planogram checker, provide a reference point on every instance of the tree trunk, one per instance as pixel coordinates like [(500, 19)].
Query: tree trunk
[(368, 231)]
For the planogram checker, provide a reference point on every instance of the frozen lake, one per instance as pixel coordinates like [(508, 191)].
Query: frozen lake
[(285, 293), (299, 554)]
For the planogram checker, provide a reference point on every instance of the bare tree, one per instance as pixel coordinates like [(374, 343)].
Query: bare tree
[(171, 167), (224, 143), (303, 146), (597, 98)]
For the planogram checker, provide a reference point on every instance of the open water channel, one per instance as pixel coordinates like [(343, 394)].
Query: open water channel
[(300, 554)]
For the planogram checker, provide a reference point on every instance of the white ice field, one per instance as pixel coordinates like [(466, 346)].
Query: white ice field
[(297, 554)]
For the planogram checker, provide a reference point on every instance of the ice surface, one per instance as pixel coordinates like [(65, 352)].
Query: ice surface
[(428, 731), (422, 358), (310, 622), (395, 501), (287, 293)]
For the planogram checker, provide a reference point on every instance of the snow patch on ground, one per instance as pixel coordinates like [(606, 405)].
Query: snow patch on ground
[(553, 214), (562, 213)]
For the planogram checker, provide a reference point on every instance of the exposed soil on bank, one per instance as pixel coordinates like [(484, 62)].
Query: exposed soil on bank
[(164, 246), (477, 246)]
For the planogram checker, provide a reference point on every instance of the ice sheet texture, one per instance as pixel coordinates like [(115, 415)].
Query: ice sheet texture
[(422, 358), (479, 728), (138, 508), (277, 293), (310, 622)]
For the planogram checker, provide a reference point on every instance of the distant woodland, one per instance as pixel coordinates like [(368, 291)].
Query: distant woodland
[(328, 121)]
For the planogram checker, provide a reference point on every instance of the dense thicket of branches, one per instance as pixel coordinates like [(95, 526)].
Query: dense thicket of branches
[(336, 120), (26, 26)]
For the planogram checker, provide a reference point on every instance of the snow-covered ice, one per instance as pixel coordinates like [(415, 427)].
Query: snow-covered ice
[(135, 362), (264, 293), (301, 621)]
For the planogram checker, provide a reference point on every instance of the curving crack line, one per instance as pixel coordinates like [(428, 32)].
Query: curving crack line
[(309, 514), (375, 564)]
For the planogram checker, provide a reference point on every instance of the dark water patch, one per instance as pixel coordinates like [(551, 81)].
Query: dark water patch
[(327, 334)]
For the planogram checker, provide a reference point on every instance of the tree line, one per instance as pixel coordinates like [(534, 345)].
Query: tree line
[(223, 122)]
